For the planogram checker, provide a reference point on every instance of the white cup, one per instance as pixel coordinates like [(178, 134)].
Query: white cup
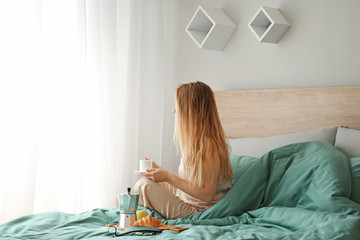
[(145, 164)]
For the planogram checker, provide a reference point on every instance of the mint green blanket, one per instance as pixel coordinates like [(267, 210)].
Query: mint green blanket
[(299, 191)]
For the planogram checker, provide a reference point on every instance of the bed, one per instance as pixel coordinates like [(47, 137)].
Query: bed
[(296, 159)]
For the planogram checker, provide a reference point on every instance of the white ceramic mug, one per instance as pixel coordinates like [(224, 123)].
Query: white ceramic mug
[(145, 164)]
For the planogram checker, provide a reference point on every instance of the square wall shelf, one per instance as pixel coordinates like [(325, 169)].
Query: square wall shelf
[(210, 28), (268, 25)]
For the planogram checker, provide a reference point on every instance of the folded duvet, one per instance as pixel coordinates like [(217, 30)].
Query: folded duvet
[(299, 191)]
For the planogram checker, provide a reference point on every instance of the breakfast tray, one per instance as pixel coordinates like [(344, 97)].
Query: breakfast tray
[(161, 228)]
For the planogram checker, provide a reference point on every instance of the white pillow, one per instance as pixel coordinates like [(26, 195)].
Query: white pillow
[(256, 147), (348, 141)]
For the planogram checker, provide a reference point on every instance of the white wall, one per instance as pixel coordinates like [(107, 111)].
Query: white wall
[(321, 48)]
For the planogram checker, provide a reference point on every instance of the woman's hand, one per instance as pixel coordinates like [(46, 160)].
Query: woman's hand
[(156, 173), (155, 165)]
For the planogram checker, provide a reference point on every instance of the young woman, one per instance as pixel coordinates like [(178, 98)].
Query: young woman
[(205, 172)]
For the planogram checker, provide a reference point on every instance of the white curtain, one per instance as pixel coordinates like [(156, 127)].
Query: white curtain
[(82, 88)]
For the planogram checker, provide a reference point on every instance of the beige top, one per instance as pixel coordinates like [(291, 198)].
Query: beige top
[(221, 190)]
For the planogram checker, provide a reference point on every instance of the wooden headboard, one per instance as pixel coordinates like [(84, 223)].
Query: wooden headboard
[(262, 113)]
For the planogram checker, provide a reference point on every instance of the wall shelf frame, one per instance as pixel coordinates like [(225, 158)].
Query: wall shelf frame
[(268, 25), (210, 28)]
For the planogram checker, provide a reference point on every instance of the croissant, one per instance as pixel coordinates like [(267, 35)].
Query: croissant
[(148, 221)]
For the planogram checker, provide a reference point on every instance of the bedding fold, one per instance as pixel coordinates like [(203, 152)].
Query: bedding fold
[(309, 175)]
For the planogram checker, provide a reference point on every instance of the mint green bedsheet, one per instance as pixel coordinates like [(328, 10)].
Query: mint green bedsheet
[(299, 191)]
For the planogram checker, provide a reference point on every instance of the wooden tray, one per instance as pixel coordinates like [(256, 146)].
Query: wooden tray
[(161, 228)]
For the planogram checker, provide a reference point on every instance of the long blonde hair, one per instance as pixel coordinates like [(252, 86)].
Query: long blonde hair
[(198, 131)]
